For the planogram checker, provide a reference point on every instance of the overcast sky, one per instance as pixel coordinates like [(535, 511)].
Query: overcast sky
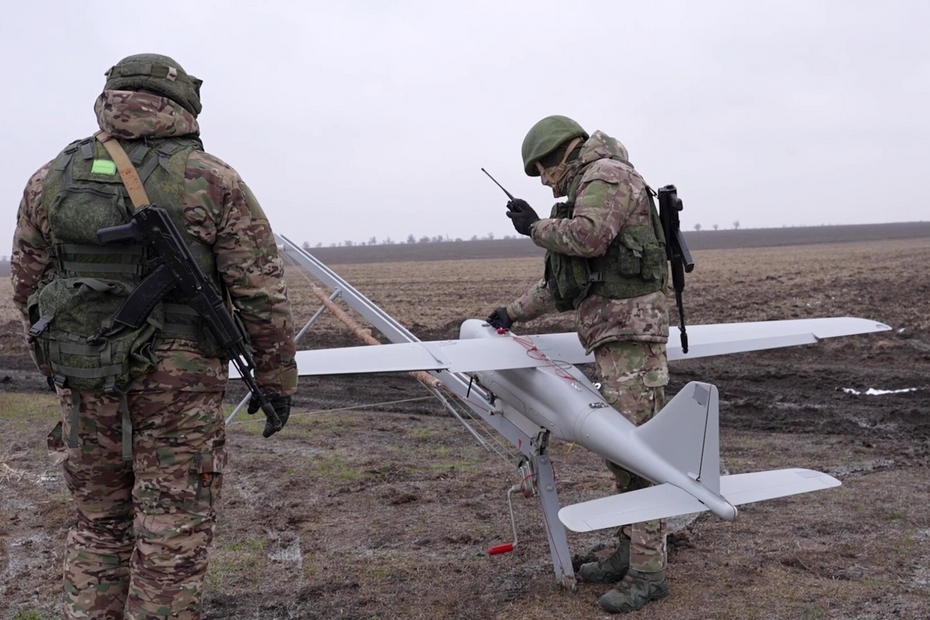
[(354, 120)]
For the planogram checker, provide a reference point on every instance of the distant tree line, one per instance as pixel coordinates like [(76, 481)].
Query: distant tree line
[(697, 227), (411, 239)]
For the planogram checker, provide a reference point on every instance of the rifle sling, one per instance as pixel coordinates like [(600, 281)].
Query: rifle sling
[(136, 191), (124, 166), (153, 288)]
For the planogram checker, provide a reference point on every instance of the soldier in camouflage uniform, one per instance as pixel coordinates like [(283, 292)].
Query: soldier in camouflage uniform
[(606, 261), (145, 432)]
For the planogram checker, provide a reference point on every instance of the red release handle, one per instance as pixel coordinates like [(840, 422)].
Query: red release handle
[(498, 549)]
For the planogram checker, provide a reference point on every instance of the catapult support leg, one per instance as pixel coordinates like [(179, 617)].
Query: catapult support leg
[(558, 541)]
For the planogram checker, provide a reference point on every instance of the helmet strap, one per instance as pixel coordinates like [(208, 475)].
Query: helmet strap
[(553, 175)]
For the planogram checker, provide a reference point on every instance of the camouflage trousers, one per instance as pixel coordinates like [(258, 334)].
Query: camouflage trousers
[(633, 377), (138, 549)]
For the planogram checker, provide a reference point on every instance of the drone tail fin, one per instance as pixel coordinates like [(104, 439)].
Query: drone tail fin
[(686, 435)]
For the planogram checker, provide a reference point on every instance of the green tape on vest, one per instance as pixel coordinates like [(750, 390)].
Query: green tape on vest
[(103, 166)]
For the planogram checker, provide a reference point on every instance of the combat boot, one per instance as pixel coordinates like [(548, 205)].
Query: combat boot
[(636, 589), (610, 570)]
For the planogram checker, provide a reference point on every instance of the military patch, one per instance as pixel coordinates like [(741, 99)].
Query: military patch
[(103, 166)]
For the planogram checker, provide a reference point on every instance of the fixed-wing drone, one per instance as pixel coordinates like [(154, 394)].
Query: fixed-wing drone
[(527, 388)]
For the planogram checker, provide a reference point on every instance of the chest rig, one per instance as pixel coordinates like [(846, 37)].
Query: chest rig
[(634, 264)]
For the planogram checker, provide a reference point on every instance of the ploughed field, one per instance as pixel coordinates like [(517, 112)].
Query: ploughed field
[(375, 503)]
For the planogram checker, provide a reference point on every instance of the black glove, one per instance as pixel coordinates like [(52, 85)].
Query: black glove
[(499, 318), (522, 215), (281, 405)]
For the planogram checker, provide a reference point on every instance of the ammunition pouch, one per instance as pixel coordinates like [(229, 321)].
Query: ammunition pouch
[(75, 341), (568, 279), (636, 255)]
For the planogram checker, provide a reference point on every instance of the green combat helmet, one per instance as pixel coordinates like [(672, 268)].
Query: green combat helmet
[(159, 74), (546, 136)]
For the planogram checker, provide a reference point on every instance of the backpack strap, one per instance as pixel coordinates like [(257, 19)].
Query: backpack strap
[(127, 426), (75, 414)]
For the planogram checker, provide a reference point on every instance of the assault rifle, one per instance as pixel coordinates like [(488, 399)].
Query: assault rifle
[(176, 269), (675, 249)]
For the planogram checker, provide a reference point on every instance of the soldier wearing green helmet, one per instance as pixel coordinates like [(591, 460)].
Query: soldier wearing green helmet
[(157, 74), (606, 261), (544, 138), (142, 434)]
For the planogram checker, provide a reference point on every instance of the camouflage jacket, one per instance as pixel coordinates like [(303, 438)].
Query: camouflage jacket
[(222, 212), (608, 195)]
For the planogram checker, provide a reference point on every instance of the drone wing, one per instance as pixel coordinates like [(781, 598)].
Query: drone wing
[(468, 355), (510, 351), (725, 338)]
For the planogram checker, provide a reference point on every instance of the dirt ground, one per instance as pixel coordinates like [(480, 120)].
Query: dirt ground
[(374, 503)]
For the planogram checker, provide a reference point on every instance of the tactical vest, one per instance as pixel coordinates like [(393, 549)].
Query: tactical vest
[(634, 264), (75, 339)]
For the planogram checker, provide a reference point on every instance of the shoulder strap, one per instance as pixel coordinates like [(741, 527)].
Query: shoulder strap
[(125, 168)]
